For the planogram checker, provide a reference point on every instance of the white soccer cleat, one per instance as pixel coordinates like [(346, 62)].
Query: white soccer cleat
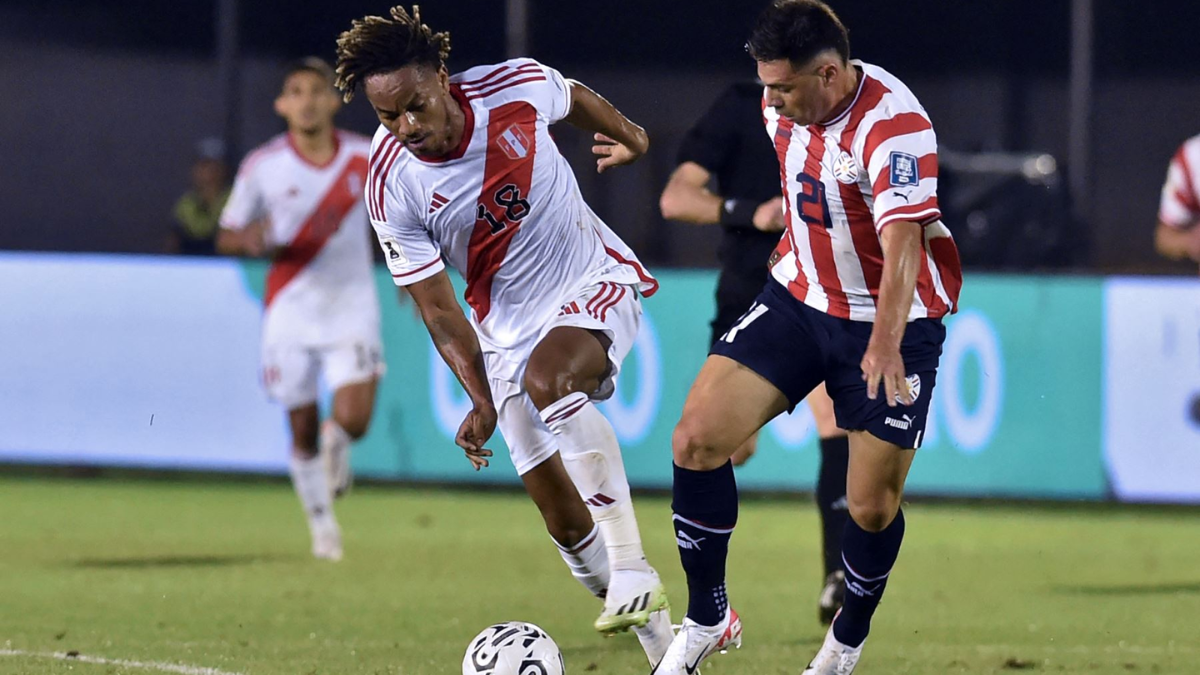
[(327, 543), (656, 636), (694, 643), (834, 658), (632, 597), (833, 596), (335, 452)]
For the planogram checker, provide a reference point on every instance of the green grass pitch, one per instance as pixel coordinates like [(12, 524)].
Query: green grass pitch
[(217, 575)]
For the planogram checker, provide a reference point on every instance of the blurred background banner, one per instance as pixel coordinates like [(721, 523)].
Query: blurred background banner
[(1043, 390), (1152, 388)]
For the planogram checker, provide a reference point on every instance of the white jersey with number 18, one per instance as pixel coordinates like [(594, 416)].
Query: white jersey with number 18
[(503, 209)]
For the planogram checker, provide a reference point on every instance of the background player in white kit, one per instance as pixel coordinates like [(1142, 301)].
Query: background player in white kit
[(298, 200), (464, 170)]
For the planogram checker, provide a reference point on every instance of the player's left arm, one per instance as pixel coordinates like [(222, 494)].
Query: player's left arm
[(618, 140), (902, 251)]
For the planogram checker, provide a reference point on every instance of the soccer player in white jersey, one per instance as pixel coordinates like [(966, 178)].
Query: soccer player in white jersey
[(297, 199), (861, 280), (464, 171)]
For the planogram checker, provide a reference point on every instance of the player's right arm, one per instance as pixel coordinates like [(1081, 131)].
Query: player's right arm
[(415, 262), (456, 341), (243, 220)]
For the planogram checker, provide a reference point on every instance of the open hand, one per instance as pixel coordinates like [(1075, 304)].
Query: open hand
[(612, 153)]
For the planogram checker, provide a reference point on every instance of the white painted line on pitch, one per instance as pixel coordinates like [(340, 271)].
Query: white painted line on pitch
[(146, 665)]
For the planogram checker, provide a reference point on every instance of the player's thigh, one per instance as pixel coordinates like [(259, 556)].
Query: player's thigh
[(566, 360), (529, 441), (550, 487), (727, 404), (352, 369), (290, 374), (822, 410), (875, 480), (584, 346)]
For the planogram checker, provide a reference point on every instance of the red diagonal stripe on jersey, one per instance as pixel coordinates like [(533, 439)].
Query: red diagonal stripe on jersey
[(316, 231), (858, 214), (883, 130), (486, 251), (375, 174), (498, 71), (471, 96), (819, 240), (798, 287), (475, 85)]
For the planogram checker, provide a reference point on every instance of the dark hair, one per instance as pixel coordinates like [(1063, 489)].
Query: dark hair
[(797, 30), (376, 44), (310, 64)]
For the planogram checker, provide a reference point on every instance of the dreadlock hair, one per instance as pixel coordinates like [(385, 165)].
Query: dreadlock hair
[(376, 44)]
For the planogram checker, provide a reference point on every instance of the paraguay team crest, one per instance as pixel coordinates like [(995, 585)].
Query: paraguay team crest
[(845, 170), (514, 142)]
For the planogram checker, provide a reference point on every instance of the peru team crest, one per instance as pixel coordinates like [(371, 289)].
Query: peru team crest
[(515, 143), (845, 170)]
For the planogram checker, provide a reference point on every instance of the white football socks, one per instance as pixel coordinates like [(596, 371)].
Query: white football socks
[(588, 561), (312, 486), (592, 458)]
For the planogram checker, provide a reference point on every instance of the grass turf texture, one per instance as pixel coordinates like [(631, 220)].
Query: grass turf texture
[(218, 575)]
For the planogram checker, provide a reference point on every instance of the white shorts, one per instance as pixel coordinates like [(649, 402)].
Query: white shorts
[(615, 310), (291, 372)]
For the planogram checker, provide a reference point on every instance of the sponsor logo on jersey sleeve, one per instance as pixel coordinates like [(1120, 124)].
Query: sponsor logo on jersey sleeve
[(391, 248), (903, 170)]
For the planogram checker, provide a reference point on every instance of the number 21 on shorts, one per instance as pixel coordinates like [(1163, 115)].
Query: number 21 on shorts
[(756, 310)]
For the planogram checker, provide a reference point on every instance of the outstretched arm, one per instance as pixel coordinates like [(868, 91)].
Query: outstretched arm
[(619, 141), (456, 341)]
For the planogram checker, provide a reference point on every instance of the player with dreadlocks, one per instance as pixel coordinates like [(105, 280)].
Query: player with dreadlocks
[(463, 170)]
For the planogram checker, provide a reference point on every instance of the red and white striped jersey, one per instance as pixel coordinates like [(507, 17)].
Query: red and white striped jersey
[(320, 288), (846, 180), (503, 208), (1180, 203)]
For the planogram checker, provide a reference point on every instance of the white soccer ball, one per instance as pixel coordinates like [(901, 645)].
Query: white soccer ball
[(513, 648)]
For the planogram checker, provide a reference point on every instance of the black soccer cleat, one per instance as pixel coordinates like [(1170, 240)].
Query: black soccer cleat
[(832, 597)]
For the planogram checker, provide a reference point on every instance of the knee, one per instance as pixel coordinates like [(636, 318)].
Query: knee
[(304, 439), (875, 512), (545, 386), (355, 424), (695, 447)]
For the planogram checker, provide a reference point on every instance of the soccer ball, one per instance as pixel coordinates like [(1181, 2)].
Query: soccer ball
[(513, 648)]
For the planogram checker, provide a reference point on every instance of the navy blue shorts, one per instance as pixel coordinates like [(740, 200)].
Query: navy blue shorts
[(796, 347)]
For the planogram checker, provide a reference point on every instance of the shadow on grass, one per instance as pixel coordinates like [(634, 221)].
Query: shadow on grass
[(172, 561), (1132, 589)]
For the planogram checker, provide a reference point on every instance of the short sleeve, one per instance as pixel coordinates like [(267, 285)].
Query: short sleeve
[(246, 203), (713, 139), (1178, 206), (900, 155), (410, 253)]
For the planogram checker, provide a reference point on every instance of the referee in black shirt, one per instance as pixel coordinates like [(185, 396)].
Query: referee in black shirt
[(729, 144)]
